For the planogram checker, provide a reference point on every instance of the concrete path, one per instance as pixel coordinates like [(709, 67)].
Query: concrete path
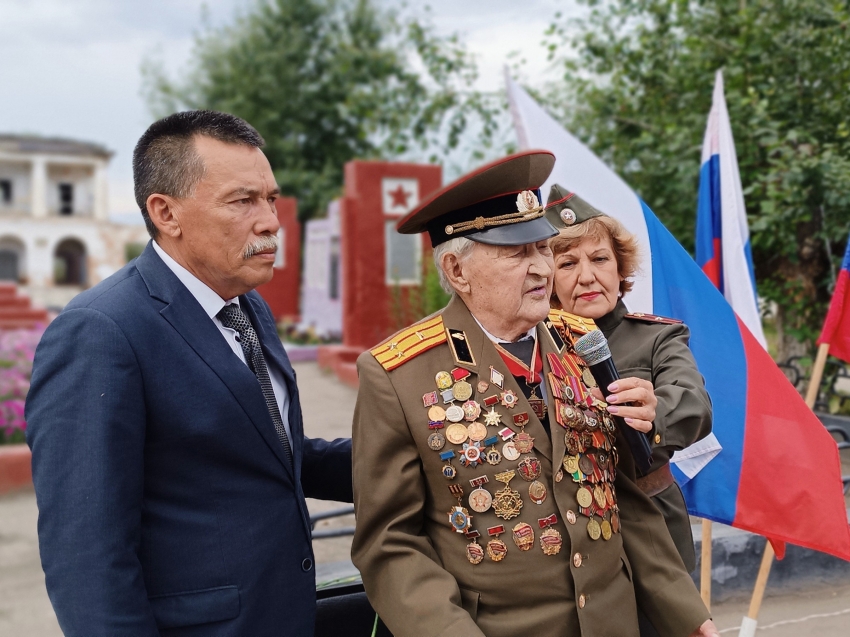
[(25, 610)]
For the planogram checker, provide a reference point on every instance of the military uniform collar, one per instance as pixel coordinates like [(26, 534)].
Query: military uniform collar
[(610, 321)]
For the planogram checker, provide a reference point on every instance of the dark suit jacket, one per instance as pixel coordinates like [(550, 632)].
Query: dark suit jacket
[(166, 506)]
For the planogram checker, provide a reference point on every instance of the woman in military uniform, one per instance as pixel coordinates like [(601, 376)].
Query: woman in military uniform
[(595, 260)]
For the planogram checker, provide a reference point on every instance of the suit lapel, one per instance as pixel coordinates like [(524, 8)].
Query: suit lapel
[(458, 317), (188, 318)]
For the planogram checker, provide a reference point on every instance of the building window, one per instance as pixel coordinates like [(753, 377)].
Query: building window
[(66, 199), (333, 283), (5, 191), (403, 256)]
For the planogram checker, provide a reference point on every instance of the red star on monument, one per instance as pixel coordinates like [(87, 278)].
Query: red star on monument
[(399, 196)]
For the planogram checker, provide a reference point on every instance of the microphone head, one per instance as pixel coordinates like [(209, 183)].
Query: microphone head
[(593, 347)]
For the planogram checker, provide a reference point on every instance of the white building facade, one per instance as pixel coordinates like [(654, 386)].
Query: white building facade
[(55, 235)]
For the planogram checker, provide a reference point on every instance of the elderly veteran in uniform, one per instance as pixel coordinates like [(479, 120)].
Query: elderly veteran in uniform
[(595, 258), (485, 505)]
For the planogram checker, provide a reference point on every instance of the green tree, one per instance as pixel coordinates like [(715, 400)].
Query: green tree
[(638, 77), (328, 81)]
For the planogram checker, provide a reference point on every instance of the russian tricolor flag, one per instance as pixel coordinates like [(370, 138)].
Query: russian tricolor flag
[(836, 327), (722, 237), (778, 473)]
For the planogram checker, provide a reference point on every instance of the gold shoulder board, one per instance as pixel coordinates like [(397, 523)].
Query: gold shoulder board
[(575, 323), (652, 318), (409, 342)]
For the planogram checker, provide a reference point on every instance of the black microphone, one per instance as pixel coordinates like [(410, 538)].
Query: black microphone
[(593, 349)]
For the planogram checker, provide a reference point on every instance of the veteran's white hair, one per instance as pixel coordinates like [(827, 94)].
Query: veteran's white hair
[(461, 248)]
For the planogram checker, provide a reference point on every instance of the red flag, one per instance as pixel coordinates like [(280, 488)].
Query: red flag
[(836, 327)]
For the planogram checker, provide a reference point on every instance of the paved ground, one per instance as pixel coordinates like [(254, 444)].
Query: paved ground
[(25, 610)]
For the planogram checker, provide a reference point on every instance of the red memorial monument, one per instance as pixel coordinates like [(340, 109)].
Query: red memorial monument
[(379, 266), (283, 292)]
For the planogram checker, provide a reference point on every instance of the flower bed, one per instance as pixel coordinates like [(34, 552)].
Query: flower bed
[(17, 348)]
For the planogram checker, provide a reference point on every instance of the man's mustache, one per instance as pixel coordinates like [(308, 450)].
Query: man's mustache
[(264, 243)]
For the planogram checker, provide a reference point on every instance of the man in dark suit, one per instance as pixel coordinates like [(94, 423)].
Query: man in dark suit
[(169, 459)]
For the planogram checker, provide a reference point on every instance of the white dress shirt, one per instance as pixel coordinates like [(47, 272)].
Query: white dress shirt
[(532, 334), (212, 304)]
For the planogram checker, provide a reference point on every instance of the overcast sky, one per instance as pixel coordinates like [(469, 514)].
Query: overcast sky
[(70, 68)]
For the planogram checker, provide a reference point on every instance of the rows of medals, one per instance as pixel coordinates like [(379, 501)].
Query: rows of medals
[(453, 417)]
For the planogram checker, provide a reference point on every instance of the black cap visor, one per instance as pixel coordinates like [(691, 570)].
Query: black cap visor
[(516, 234)]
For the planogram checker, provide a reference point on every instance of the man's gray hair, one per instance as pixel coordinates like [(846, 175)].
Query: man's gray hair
[(460, 247)]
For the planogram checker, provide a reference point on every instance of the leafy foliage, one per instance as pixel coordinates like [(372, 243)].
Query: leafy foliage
[(328, 81), (638, 77)]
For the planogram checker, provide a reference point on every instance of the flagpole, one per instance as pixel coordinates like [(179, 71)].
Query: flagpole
[(705, 564), (748, 625)]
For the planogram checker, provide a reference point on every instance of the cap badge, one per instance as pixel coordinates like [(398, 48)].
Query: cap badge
[(568, 216), (527, 201)]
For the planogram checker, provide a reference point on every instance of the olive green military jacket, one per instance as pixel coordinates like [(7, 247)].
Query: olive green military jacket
[(658, 352), (414, 564)]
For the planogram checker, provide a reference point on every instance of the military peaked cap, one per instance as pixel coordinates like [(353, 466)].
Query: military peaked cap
[(498, 204)]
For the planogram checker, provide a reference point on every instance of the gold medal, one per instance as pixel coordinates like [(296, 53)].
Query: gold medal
[(474, 552), (524, 442), (584, 497), (588, 379), (537, 492), (476, 431), (436, 414), (492, 418), (480, 500), (456, 434), (606, 530), (496, 550), (436, 441), (609, 495), (551, 541), (462, 391), (523, 536), (570, 464), (593, 529), (599, 496), (444, 380), (454, 413), (506, 502), (510, 451)]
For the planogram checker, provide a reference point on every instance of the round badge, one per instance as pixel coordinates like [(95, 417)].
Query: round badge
[(594, 530), (551, 541), (570, 464), (559, 475), (462, 391), (444, 380), (509, 398), (615, 522), (584, 497), (585, 464), (456, 434), (436, 441), (510, 451), (537, 492), (524, 442), (482, 386), (449, 472), (471, 410), (590, 420), (568, 216), (454, 413), (569, 393), (571, 517), (572, 443), (480, 500), (474, 553), (436, 414), (477, 431), (493, 456), (523, 536), (529, 469), (606, 530), (496, 550), (599, 496)]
